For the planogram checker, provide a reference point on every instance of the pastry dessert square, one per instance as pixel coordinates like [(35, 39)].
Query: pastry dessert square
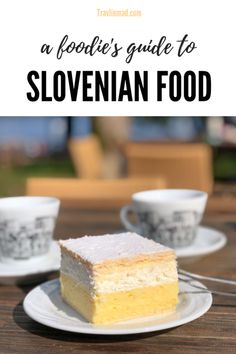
[(118, 277)]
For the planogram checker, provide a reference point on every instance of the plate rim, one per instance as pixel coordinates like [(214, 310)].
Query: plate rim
[(201, 252), (96, 330)]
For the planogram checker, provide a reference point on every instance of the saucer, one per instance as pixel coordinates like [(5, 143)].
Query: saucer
[(30, 270), (45, 305), (207, 241)]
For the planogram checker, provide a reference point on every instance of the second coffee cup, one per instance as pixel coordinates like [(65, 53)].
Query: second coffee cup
[(168, 216)]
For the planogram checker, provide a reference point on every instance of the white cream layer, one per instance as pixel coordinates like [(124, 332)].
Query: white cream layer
[(118, 281)]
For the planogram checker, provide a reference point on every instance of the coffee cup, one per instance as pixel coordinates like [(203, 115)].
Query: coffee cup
[(26, 226), (168, 216)]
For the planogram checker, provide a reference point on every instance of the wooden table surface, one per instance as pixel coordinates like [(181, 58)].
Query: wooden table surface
[(215, 332)]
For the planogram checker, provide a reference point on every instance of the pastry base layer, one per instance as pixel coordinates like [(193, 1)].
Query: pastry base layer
[(119, 306)]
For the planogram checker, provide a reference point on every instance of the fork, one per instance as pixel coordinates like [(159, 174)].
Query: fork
[(190, 277)]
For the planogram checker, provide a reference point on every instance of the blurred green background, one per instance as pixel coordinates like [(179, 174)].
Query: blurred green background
[(42, 143)]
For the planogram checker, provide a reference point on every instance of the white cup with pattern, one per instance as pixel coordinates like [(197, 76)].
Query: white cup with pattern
[(26, 226), (168, 216)]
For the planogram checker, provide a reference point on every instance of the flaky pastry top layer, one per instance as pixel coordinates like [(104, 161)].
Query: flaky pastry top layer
[(127, 246)]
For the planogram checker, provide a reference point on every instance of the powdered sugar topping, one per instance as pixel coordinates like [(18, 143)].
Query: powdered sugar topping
[(97, 249)]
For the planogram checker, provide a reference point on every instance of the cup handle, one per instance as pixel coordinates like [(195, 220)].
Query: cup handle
[(124, 218)]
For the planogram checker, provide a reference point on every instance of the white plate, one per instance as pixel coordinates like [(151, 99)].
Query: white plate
[(207, 241), (34, 268), (45, 305)]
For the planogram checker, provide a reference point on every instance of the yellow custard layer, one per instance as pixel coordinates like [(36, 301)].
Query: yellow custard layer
[(119, 306)]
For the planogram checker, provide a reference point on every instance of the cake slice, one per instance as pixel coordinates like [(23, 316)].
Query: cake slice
[(118, 277)]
